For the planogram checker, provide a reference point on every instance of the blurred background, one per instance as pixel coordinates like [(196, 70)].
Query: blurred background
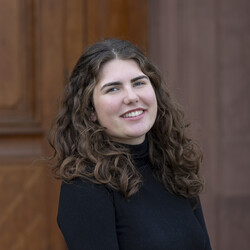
[(203, 50)]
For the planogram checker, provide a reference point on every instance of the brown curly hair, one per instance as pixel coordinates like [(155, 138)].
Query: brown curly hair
[(83, 149)]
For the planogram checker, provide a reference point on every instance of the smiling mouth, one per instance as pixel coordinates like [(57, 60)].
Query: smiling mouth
[(133, 114)]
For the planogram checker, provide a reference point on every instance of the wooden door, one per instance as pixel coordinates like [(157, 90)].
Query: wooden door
[(40, 41)]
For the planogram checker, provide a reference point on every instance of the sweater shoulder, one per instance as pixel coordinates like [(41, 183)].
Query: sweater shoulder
[(83, 187)]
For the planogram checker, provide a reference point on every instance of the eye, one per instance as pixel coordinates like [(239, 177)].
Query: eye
[(137, 84), (114, 89)]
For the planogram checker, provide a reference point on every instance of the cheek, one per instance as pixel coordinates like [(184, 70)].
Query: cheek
[(152, 102), (151, 98), (106, 107)]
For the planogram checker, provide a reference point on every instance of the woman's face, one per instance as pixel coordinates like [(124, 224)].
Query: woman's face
[(125, 102)]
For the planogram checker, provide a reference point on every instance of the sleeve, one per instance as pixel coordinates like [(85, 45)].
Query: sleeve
[(199, 215), (86, 216)]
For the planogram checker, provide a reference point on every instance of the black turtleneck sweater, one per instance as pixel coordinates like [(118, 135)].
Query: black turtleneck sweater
[(93, 217)]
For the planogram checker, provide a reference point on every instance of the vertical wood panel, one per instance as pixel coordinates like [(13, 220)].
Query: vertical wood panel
[(203, 49), (74, 33), (183, 43), (19, 105), (10, 67), (23, 220), (234, 63), (124, 19), (51, 78), (21, 184)]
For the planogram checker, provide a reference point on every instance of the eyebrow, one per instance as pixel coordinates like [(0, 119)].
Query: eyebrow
[(117, 83)]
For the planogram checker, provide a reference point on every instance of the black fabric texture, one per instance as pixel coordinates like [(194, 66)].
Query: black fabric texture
[(93, 217)]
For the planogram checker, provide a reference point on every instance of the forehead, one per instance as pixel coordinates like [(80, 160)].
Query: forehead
[(119, 70)]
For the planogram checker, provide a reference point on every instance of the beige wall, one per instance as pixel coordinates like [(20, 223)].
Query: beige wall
[(203, 48)]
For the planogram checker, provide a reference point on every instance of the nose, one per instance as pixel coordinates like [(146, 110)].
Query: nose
[(130, 96)]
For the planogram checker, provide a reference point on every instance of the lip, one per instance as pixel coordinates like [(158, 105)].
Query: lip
[(135, 117)]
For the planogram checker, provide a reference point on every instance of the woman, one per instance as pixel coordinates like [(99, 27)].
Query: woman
[(130, 173)]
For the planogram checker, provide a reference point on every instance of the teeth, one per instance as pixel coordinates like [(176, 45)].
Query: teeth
[(133, 114)]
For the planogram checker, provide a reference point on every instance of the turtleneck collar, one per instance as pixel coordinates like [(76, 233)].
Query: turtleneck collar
[(139, 153)]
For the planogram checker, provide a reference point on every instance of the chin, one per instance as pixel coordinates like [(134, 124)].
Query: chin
[(137, 137), (139, 133)]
